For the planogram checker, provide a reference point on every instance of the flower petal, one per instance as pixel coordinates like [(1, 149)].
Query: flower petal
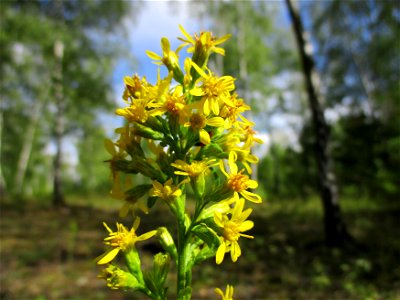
[(246, 225), (252, 184), (146, 235), (204, 137), (216, 122), (235, 251), (251, 196), (108, 256), (219, 257), (232, 165), (218, 219), (153, 55)]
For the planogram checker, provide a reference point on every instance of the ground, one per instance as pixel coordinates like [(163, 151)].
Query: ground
[(48, 254)]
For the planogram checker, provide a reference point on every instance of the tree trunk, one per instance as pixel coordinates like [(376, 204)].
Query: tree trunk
[(58, 196), (2, 180), (335, 230), (27, 147)]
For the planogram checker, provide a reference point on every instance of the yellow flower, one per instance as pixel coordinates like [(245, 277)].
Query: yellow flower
[(135, 113), (246, 158), (142, 96), (249, 135), (228, 293), (232, 109), (215, 91), (172, 103), (232, 230), (170, 59), (134, 87), (239, 182), (122, 240), (205, 42), (198, 121), (166, 191), (195, 169)]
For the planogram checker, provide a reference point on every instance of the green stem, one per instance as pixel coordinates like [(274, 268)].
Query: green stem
[(182, 262)]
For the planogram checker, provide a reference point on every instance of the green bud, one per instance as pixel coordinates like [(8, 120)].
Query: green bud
[(117, 278), (155, 124), (147, 132), (135, 149), (137, 192), (161, 267), (132, 261), (142, 166), (167, 242)]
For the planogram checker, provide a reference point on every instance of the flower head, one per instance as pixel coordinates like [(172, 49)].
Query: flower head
[(195, 169), (215, 91), (166, 191), (204, 42), (239, 182), (197, 121), (122, 240), (232, 230)]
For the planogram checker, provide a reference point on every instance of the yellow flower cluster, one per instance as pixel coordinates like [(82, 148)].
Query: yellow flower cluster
[(186, 130)]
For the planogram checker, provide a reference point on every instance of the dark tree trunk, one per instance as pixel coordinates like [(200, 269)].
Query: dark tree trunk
[(58, 196), (335, 230)]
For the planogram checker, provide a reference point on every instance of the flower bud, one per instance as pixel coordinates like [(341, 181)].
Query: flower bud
[(167, 242), (119, 279)]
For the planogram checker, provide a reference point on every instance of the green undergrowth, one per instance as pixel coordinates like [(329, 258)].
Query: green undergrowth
[(48, 254)]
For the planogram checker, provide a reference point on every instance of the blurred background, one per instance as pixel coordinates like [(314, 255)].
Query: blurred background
[(322, 78)]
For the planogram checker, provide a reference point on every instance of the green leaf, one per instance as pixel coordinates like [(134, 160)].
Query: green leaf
[(220, 193), (207, 235), (138, 191), (155, 279)]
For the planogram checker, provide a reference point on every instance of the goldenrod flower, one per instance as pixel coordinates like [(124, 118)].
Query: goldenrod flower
[(134, 87), (228, 295), (246, 158), (122, 240), (249, 135), (166, 191), (214, 91), (205, 42), (195, 169), (232, 230), (172, 103), (239, 182), (198, 121), (142, 96), (170, 59), (232, 109)]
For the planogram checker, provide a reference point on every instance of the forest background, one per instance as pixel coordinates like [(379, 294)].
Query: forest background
[(323, 80)]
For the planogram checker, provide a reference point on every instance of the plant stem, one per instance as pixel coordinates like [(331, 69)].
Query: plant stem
[(181, 283)]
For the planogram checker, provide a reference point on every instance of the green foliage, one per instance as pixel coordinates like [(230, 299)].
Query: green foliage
[(92, 37), (367, 156), (288, 173)]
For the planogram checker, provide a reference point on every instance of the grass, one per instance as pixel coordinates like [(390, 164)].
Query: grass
[(48, 254)]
